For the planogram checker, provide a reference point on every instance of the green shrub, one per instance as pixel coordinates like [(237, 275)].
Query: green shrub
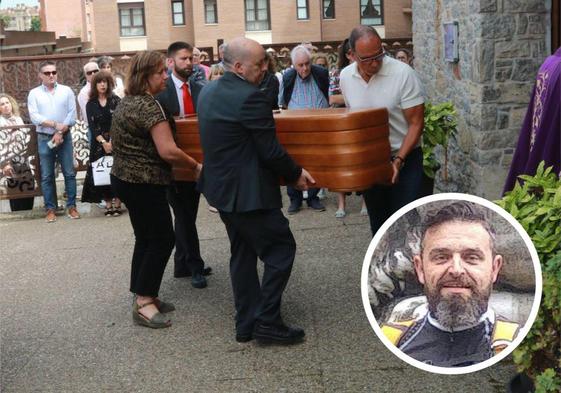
[(536, 204), (440, 124)]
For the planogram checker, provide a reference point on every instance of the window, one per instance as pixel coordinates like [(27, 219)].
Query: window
[(328, 9), (211, 14), (177, 13), (131, 19), (257, 15), (302, 9), (371, 12)]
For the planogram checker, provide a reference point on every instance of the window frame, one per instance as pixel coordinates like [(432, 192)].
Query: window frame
[(215, 9), (173, 13), (256, 12), (129, 7), (323, 8), (306, 8), (381, 12)]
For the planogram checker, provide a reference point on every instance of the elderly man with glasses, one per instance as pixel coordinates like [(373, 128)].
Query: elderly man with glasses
[(90, 69), (375, 80)]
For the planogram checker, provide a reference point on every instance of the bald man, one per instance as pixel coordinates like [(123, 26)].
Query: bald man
[(243, 162)]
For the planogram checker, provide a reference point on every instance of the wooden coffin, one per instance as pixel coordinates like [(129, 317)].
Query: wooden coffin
[(344, 150)]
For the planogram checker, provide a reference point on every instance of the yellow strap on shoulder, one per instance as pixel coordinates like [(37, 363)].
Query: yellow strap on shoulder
[(504, 333), (394, 331)]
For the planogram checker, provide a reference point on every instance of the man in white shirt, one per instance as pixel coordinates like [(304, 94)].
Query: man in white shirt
[(375, 80), (90, 69), (52, 108)]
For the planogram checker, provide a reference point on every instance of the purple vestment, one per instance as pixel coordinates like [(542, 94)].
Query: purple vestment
[(539, 138)]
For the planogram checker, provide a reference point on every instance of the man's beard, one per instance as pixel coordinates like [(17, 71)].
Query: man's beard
[(184, 73), (456, 310)]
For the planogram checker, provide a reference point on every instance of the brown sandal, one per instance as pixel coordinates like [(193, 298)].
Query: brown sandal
[(158, 321)]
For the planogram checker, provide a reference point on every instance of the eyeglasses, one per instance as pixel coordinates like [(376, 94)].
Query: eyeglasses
[(372, 58), (92, 72), (49, 73)]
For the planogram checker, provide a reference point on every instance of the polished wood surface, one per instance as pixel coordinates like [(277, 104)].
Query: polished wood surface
[(344, 150)]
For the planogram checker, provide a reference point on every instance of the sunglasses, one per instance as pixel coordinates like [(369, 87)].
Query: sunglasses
[(92, 72), (372, 58), (49, 73)]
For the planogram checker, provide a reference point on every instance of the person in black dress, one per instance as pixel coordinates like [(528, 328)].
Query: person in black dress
[(100, 108)]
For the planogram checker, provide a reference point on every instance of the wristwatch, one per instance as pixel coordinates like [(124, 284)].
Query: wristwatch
[(60, 133), (400, 159)]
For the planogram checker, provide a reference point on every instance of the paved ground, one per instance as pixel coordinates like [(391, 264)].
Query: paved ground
[(66, 316)]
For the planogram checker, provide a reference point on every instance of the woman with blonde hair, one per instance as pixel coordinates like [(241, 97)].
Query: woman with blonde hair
[(216, 71), (13, 160), (144, 151)]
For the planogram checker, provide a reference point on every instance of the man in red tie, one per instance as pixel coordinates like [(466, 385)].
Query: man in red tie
[(180, 99)]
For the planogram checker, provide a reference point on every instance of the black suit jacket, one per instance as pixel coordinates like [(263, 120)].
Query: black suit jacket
[(243, 159), (168, 98)]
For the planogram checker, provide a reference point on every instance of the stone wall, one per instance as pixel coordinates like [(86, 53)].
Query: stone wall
[(501, 46)]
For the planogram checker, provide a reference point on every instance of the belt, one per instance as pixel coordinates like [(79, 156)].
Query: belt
[(44, 133)]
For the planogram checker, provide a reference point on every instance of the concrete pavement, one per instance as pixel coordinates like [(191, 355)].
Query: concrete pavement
[(66, 316)]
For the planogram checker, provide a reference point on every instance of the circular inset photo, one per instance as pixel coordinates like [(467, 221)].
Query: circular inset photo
[(451, 283)]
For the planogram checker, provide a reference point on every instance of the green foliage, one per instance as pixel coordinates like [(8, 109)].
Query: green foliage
[(536, 204), (5, 20), (35, 24), (440, 124)]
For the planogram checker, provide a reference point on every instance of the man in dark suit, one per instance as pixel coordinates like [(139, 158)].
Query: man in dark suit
[(180, 99), (243, 161)]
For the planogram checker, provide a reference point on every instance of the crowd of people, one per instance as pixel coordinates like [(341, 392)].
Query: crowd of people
[(234, 99)]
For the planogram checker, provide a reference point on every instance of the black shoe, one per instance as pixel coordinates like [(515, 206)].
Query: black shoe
[(280, 334), (198, 281), (294, 207), (243, 338), (316, 205), (207, 271)]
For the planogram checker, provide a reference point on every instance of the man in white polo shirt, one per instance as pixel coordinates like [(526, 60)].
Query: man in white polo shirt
[(375, 80)]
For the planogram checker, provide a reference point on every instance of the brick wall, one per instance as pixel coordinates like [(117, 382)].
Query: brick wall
[(231, 18), (287, 28), (64, 17), (106, 26)]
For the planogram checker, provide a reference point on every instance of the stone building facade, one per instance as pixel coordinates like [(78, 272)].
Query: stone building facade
[(501, 46)]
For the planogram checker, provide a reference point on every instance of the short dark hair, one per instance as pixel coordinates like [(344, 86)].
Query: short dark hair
[(100, 77), (463, 211), (45, 63), (342, 51), (177, 46), (362, 31)]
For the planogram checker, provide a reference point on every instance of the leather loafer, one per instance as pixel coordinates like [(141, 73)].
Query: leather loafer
[(198, 281), (294, 207), (316, 205), (243, 338), (280, 334), (207, 271)]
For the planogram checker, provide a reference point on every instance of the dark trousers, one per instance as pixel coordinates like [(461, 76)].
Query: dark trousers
[(297, 195), (264, 234), (153, 231), (383, 201), (184, 199)]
